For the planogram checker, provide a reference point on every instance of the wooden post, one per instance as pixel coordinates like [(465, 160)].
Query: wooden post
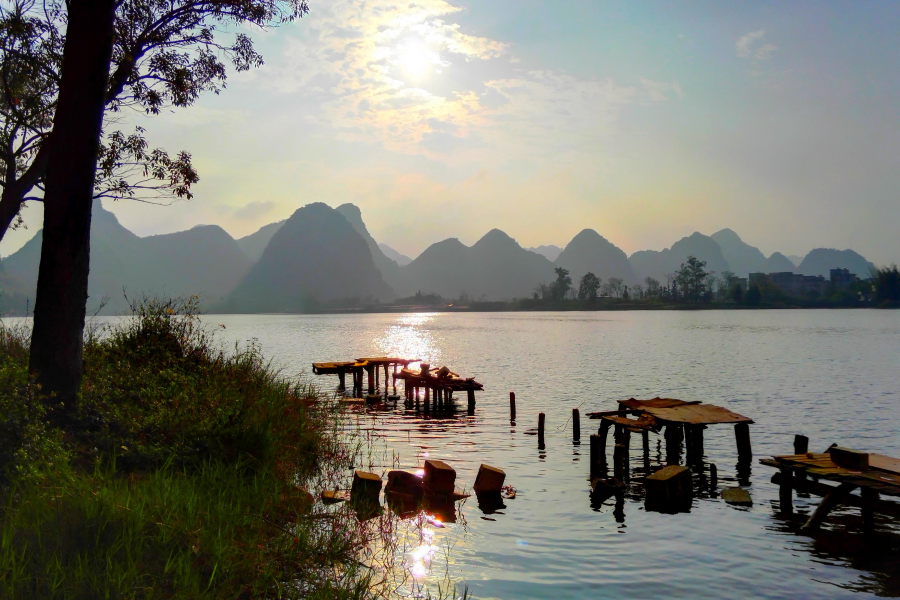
[(831, 500), (370, 372), (603, 432), (541, 419), (742, 436), (377, 371), (673, 443), (470, 396), (713, 476), (512, 406), (598, 455), (697, 443), (395, 379), (386, 379), (786, 490), (341, 380), (621, 464), (576, 425), (869, 498), (688, 443), (426, 400), (801, 444)]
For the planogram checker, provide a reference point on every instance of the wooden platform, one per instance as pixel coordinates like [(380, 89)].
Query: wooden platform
[(802, 472)]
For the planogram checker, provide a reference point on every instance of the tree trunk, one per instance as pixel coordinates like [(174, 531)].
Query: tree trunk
[(59, 311)]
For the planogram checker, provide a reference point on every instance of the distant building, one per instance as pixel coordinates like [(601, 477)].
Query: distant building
[(793, 284), (841, 279)]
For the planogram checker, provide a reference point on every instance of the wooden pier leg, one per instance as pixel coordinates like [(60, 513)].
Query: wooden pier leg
[(786, 490), (713, 477), (688, 443), (470, 396), (673, 443), (742, 436), (512, 406), (386, 380), (426, 400), (603, 432), (623, 447), (598, 455), (395, 379), (370, 373), (832, 499), (341, 380), (576, 425), (377, 371), (869, 498), (801, 444), (541, 420), (697, 443)]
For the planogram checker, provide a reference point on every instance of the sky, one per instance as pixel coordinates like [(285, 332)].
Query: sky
[(645, 121)]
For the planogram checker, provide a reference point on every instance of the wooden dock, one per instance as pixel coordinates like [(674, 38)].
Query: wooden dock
[(875, 475), (436, 384), (683, 421)]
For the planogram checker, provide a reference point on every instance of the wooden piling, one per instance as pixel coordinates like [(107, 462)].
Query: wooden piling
[(742, 436), (576, 425), (512, 406), (541, 419), (645, 440), (370, 373), (470, 396), (832, 499), (603, 432), (697, 442), (341, 380), (786, 490), (620, 455), (801, 444), (713, 476)]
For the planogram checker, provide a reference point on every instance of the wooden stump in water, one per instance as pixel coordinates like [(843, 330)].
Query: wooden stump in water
[(471, 399), (598, 455), (576, 425), (786, 490), (512, 406), (541, 419), (801, 444)]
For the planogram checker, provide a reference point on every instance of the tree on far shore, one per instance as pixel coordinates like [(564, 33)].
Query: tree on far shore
[(562, 285), (887, 284), (588, 287)]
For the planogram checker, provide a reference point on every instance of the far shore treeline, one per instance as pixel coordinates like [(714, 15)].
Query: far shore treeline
[(324, 259)]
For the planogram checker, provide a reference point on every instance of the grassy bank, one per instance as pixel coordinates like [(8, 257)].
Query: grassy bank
[(186, 472)]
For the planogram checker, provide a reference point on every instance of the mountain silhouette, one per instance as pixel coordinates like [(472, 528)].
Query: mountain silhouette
[(778, 263), (821, 260), (203, 261), (393, 275), (400, 259), (494, 268), (659, 264), (550, 252), (254, 244), (591, 252), (316, 256), (741, 256)]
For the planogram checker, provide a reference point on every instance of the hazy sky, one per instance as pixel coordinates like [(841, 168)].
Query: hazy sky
[(645, 121)]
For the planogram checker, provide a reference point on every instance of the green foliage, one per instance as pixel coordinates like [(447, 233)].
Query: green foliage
[(753, 296), (588, 287), (562, 285), (887, 284), (690, 279), (184, 474), (737, 293)]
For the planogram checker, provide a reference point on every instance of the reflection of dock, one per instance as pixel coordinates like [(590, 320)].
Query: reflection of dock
[(436, 385), (873, 474)]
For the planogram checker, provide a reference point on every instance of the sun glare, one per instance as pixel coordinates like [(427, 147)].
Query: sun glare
[(416, 58)]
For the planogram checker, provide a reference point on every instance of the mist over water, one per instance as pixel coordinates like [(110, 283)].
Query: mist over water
[(827, 374)]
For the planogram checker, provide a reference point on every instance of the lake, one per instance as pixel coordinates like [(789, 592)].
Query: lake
[(832, 375)]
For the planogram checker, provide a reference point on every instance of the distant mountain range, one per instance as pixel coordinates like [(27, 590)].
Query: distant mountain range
[(323, 255)]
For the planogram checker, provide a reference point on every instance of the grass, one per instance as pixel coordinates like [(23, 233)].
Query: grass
[(188, 471)]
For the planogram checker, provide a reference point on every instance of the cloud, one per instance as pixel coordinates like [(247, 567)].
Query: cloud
[(745, 46), (253, 210), (385, 73)]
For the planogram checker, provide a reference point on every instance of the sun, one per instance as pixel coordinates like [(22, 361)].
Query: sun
[(416, 58)]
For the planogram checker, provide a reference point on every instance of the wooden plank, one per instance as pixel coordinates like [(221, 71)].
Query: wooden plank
[(697, 414), (633, 424), (885, 463), (656, 403)]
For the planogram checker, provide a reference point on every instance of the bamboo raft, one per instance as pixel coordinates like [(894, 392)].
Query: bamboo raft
[(874, 474)]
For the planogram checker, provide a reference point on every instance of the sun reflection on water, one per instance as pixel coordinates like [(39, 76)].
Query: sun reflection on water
[(410, 338)]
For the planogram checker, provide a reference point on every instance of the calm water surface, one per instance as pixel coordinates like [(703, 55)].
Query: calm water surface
[(830, 375)]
